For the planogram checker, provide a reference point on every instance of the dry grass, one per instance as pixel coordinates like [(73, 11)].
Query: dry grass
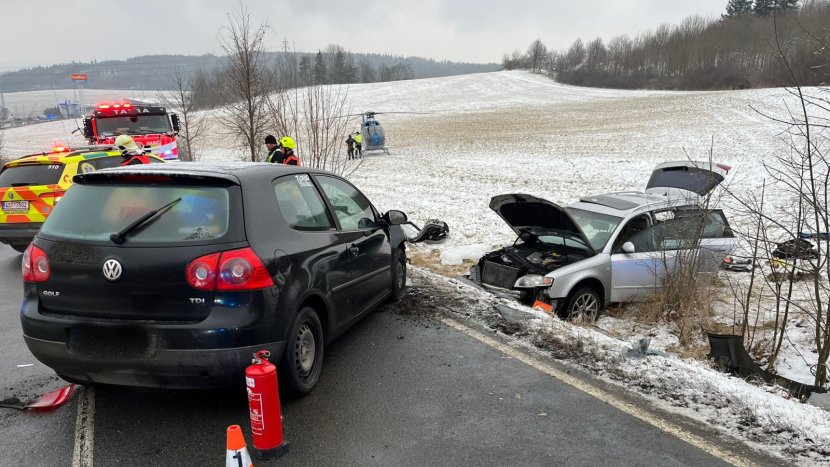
[(691, 311), (431, 259)]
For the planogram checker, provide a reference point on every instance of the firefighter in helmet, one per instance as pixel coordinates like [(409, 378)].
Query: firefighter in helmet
[(285, 154), (130, 151)]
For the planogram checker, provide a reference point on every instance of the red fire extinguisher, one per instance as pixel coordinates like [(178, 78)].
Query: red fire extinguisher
[(264, 404)]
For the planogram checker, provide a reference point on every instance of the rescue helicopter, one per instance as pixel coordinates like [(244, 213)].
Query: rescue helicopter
[(374, 137)]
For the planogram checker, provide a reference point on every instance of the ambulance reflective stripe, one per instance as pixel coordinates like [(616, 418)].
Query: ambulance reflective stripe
[(38, 209)]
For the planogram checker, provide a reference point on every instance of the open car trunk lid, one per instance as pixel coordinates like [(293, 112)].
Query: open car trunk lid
[(526, 213), (686, 178)]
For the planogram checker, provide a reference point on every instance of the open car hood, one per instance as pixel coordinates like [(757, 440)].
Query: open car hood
[(526, 213)]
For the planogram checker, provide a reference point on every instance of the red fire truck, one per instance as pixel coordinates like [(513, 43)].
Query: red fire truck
[(149, 125)]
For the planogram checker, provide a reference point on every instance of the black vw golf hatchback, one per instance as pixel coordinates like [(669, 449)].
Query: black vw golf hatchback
[(174, 275)]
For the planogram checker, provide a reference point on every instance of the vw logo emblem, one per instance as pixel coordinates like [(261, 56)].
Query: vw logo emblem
[(112, 270)]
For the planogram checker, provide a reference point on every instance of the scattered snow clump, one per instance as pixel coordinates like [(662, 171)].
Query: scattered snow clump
[(456, 256)]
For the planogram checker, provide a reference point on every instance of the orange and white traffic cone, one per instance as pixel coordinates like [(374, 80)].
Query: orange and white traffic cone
[(237, 453)]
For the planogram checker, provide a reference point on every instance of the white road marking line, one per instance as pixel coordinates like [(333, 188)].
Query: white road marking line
[(631, 409), (84, 428)]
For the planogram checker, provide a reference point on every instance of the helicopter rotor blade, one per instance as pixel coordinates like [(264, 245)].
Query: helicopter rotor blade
[(385, 113)]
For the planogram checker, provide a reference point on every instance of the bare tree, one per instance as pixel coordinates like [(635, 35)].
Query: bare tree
[(182, 99), (249, 80), (536, 53), (596, 54), (618, 47), (576, 54)]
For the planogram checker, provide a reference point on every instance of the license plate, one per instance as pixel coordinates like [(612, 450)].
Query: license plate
[(16, 206)]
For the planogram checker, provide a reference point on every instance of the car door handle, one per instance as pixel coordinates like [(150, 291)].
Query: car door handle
[(354, 250)]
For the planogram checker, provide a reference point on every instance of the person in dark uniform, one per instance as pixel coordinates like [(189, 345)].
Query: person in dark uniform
[(350, 142), (273, 147)]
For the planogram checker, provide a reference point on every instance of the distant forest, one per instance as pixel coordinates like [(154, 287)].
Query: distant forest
[(735, 51), (151, 72)]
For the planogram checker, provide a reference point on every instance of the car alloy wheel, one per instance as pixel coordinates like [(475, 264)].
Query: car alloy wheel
[(585, 308)]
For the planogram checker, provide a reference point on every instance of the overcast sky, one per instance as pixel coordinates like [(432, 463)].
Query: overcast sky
[(44, 32)]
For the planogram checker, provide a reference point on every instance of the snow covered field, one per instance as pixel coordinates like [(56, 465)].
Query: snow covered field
[(504, 132)]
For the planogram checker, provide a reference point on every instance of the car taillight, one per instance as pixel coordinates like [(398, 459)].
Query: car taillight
[(230, 270), (36, 266), (57, 196), (724, 167), (201, 273)]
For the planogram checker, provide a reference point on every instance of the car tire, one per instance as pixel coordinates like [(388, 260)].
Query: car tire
[(398, 276), (582, 305), (302, 359), (20, 248)]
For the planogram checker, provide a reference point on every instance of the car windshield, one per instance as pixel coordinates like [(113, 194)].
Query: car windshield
[(133, 125), (597, 227), (94, 212)]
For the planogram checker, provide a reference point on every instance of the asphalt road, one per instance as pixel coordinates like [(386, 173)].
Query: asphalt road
[(396, 390)]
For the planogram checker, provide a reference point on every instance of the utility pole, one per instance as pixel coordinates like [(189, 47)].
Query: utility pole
[(285, 45)]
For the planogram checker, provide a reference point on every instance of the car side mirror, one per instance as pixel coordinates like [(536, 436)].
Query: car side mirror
[(628, 247), (394, 217), (175, 120)]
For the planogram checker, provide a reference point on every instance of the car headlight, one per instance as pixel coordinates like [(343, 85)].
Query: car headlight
[(532, 281)]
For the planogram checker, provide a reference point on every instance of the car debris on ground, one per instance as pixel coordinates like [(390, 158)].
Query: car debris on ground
[(731, 263), (729, 353), (641, 350), (48, 401)]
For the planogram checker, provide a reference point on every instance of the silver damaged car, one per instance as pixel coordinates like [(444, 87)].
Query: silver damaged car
[(606, 248)]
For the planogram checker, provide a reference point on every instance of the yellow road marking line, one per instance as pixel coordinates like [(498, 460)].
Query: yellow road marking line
[(631, 409)]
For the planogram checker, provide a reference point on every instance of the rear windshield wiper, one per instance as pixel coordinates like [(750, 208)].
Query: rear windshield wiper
[(118, 238)]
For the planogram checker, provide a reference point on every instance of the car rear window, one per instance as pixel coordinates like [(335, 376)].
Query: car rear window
[(31, 175), (93, 212)]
